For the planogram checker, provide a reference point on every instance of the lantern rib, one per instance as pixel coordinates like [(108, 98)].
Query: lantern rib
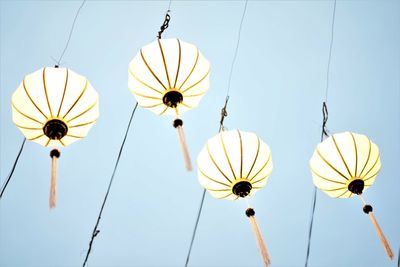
[(241, 154), (211, 179), (324, 178), (164, 111), (255, 158), (74, 136), (82, 124), (26, 116), (356, 151), (195, 94), (65, 89), (165, 64), (77, 100), (148, 67), (48, 142), (373, 166), (179, 62), (217, 190), (330, 165), (226, 196), (62, 143), (186, 105), (153, 106), (372, 176), (368, 158), (34, 138), (334, 189), (45, 92), (143, 83), (191, 71), (30, 98), (341, 156), (344, 194), (215, 164), (196, 83), (28, 128), (226, 156), (262, 168), (85, 111), (145, 96), (263, 178)]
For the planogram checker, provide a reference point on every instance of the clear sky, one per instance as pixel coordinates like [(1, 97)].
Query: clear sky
[(277, 91)]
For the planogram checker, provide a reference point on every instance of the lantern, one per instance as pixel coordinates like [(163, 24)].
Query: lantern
[(169, 77), (345, 164), (235, 164), (54, 107)]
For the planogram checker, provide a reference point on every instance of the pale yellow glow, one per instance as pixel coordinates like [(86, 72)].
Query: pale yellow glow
[(230, 157), (55, 93), (165, 65), (342, 158)]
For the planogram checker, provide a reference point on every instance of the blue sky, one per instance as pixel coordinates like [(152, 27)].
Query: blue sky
[(277, 91)]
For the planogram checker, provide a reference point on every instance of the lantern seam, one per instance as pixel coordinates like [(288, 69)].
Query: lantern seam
[(262, 168), (34, 138), (179, 63), (191, 71), (227, 157), (26, 116), (77, 100), (373, 166), (148, 67), (368, 158), (48, 142), (75, 136), (341, 156), (211, 179), (195, 94), (165, 64), (145, 96), (196, 83), (84, 112), (256, 157), (45, 92), (65, 89), (356, 151), (152, 106), (215, 164), (30, 98), (324, 178), (142, 82), (82, 124), (333, 168), (264, 178), (28, 128), (241, 154), (166, 108)]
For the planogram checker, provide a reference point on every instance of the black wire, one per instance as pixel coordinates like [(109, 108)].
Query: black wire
[(4, 186), (95, 230), (70, 33), (398, 259), (224, 114)]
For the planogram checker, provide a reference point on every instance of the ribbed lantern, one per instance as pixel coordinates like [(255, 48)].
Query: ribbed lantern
[(169, 77), (346, 164), (54, 107), (235, 164)]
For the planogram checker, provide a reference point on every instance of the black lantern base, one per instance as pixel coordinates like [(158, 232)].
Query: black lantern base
[(242, 188), (55, 129), (356, 186), (172, 98)]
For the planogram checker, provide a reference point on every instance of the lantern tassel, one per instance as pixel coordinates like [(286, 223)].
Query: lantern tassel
[(178, 123), (257, 233), (368, 210), (54, 154)]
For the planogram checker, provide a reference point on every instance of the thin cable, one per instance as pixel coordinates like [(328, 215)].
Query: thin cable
[(95, 230), (236, 49), (224, 114), (70, 33), (324, 133), (4, 186)]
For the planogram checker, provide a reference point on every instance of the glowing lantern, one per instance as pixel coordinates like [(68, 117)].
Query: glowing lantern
[(169, 77), (54, 107), (346, 164), (233, 165)]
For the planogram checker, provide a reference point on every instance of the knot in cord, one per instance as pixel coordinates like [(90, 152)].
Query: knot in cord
[(224, 114), (324, 121), (165, 24)]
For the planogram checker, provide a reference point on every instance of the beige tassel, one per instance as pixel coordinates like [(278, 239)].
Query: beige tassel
[(54, 154), (368, 209), (178, 123), (257, 233)]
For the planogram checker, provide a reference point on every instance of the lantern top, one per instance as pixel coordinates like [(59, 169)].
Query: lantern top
[(169, 76), (234, 164), (55, 106), (345, 164)]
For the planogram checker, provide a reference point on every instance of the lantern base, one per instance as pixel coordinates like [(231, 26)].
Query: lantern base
[(242, 188), (172, 98), (356, 186), (55, 129)]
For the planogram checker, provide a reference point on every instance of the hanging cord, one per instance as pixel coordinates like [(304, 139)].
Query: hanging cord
[(224, 114), (165, 24), (70, 33), (4, 186), (324, 132), (95, 230)]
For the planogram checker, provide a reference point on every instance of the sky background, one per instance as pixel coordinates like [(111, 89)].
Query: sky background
[(277, 90)]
